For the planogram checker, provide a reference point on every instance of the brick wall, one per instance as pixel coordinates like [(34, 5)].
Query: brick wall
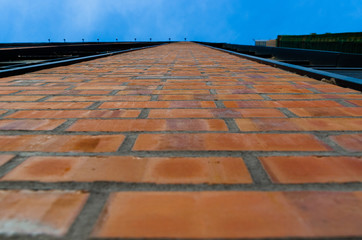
[(178, 141)]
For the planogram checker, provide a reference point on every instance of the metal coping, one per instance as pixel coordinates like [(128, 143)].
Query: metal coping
[(340, 80), (64, 62)]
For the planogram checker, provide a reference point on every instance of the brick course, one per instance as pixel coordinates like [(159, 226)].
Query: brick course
[(178, 141)]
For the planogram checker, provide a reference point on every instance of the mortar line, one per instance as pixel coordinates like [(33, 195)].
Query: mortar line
[(11, 164), (87, 218)]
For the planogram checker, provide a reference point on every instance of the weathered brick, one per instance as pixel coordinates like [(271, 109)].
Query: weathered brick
[(356, 102), (300, 124), (39, 212), (98, 98), (5, 158), (287, 104), (280, 89), (210, 97), (230, 215), (228, 142), (313, 169), (43, 105), (61, 143), (350, 142), (3, 92), (214, 113), (328, 112), (132, 169), (28, 124), (163, 104), (137, 125), (20, 98), (76, 114)]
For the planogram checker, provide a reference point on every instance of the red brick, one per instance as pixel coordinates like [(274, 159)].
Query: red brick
[(5, 158), (163, 104), (180, 113), (350, 142), (136, 125), (327, 112), (73, 92), (7, 92), (296, 96), (230, 215), (300, 124), (98, 98), (214, 113), (210, 170), (329, 88), (43, 105), (287, 104), (314, 96), (203, 87), (61, 143), (248, 113), (39, 212), (29, 124), (203, 97), (161, 92), (228, 142), (76, 114), (17, 88), (20, 98), (356, 102), (280, 89), (313, 169), (210, 97)]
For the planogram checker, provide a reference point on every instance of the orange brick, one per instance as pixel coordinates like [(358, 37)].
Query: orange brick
[(20, 98), (29, 124), (287, 104), (228, 142), (210, 170), (98, 98), (203, 87), (180, 113), (214, 113), (230, 215), (187, 97), (136, 125), (296, 96), (163, 104), (43, 105), (329, 88), (17, 88), (6, 92), (61, 143), (73, 92), (327, 112), (280, 89), (161, 92), (5, 158), (314, 96), (356, 102), (313, 169), (350, 142), (356, 95), (39, 212), (210, 97), (76, 114), (300, 124), (249, 112)]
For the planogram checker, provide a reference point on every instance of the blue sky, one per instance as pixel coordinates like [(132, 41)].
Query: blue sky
[(233, 21)]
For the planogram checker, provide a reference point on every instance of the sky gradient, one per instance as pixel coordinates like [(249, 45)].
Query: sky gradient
[(232, 21)]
